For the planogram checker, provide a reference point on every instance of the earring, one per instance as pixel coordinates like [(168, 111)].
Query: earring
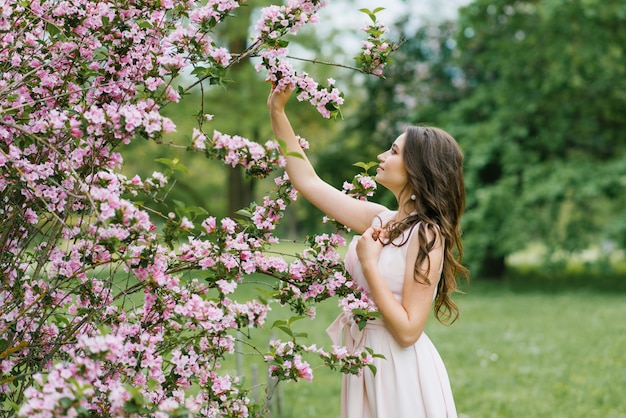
[(413, 197)]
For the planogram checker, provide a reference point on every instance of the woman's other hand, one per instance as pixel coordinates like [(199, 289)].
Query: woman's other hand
[(369, 246)]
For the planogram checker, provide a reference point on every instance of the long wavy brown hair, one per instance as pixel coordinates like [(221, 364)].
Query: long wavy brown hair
[(434, 163)]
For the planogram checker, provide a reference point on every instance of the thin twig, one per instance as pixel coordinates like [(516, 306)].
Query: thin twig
[(334, 64)]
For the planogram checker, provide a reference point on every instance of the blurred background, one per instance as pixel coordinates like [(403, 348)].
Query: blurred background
[(535, 93)]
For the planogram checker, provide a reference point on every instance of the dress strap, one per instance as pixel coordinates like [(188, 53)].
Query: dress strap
[(383, 217)]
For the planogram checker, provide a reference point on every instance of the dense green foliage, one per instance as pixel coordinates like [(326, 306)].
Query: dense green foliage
[(534, 92), (542, 120)]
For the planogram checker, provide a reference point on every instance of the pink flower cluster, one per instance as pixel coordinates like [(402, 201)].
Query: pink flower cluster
[(286, 362), (281, 74), (277, 21), (361, 187), (258, 160), (375, 50), (192, 44)]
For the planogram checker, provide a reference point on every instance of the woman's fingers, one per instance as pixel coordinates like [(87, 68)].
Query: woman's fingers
[(371, 237), (278, 98), (375, 232)]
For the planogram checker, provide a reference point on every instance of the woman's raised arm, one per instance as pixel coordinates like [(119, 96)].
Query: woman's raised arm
[(353, 213)]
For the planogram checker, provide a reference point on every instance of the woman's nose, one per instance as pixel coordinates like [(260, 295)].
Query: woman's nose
[(380, 156)]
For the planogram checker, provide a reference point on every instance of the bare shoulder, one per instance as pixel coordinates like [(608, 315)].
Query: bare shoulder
[(432, 233)]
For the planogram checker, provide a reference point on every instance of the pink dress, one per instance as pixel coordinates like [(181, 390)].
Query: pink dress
[(409, 382)]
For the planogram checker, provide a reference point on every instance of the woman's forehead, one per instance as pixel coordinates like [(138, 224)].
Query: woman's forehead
[(399, 142)]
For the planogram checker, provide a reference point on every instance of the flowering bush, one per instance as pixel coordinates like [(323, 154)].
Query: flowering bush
[(101, 312)]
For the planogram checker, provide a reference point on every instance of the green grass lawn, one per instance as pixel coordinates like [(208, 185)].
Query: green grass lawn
[(515, 352), (535, 354)]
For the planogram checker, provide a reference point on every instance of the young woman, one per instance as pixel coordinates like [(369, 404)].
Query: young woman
[(406, 260)]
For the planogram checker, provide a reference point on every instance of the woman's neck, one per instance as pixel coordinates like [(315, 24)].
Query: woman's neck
[(404, 212)]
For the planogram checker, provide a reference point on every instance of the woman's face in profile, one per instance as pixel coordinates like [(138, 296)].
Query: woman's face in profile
[(391, 171)]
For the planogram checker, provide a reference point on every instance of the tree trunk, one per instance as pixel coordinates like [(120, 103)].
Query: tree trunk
[(240, 191), (493, 266)]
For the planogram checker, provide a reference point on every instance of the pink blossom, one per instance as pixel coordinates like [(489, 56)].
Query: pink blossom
[(304, 369), (198, 138), (228, 225), (185, 223), (227, 287)]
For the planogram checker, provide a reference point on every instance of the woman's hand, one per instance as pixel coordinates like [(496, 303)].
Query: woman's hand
[(369, 246), (277, 100)]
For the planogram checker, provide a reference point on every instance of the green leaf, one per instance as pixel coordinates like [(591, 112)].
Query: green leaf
[(365, 166), (144, 24), (269, 294), (296, 318), (65, 402), (362, 323), (180, 204), (286, 330), (294, 154), (282, 144), (371, 352), (53, 30), (166, 162), (279, 322), (372, 13), (244, 212), (196, 210), (372, 368), (200, 71), (59, 319), (174, 165)]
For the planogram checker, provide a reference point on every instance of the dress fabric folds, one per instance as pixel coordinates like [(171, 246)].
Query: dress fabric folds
[(410, 382)]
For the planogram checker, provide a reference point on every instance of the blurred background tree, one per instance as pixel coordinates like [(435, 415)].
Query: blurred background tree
[(534, 91), (541, 120)]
